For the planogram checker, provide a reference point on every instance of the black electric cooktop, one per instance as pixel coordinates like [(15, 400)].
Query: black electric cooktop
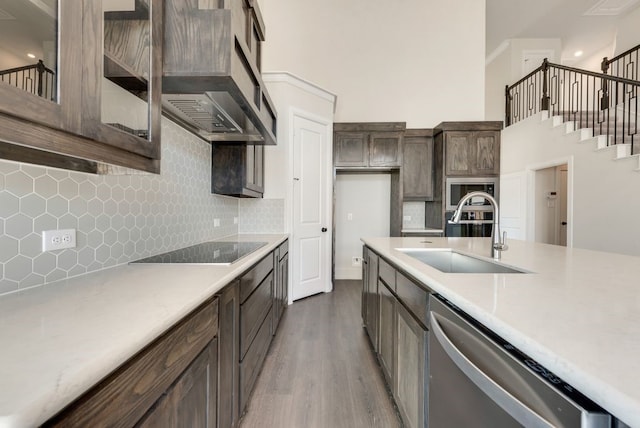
[(209, 253)]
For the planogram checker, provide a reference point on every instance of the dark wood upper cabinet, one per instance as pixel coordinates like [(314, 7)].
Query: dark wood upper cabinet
[(237, 170), (385, 149), (417, 165), (458, 148), (351, 149), (471, 148), (99, 102), (46, 95), (368, 145), (487, 153), (121, 98)]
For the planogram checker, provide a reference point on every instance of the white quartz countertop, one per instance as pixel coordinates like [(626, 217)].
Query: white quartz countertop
[(577, 313), (60, 339)]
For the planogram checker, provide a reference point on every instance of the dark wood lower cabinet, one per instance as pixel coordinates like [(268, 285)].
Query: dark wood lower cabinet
[(410, 376), (163, 369), (229, 349), (386, 353), (195, 374), (251, 364), (281, 284), (371, 298), (192, 400), (401, 335)]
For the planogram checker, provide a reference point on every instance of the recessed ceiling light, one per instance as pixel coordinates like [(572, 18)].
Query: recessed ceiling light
[(30, 55), (577, 53)]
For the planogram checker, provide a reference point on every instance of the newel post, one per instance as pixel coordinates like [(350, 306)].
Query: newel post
[(604, 101), (507, 106), (544, 102), (40, 69)]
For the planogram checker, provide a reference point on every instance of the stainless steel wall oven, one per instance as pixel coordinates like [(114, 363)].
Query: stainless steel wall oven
[(477, 217)]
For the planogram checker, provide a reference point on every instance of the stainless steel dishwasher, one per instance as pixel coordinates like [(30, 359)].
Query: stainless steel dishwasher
[(477, 379)]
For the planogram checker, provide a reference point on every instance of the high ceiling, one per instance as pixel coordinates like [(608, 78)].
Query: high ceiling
[(563, 19)]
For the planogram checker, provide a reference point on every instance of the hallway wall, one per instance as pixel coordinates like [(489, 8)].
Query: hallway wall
[(366, 197)]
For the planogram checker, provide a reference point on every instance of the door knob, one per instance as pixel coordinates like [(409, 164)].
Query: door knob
[(564, 223), (324, 229)]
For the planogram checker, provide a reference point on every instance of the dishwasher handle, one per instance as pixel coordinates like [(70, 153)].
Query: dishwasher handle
[(514, 407)]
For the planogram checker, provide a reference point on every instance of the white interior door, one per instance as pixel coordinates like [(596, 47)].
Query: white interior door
[(311, 207)]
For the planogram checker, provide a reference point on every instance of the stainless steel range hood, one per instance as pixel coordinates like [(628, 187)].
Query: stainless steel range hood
[(211, 80)]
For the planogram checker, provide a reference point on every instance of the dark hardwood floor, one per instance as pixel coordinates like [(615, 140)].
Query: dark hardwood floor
[(320, 371)]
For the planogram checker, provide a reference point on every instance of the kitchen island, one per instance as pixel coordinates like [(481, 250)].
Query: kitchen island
[(61, 339), (577, 312)]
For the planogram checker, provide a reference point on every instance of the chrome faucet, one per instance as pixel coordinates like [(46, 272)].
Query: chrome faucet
[(497, 245)]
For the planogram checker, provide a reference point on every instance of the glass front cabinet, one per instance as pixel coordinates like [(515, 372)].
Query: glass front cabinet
[(80, 83)]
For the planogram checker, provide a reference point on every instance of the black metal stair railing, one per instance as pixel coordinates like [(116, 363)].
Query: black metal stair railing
[(606, 104), (623, 65), (37, 79)]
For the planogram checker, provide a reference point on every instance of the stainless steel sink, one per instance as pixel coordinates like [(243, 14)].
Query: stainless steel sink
[(450, 261)]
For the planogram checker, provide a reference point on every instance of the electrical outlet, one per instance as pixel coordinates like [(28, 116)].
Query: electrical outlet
[(356, 261), (216, 222), (235, 220), (406, 218), (58, 239)]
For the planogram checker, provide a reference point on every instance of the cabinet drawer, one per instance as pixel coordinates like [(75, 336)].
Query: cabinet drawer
[(253, 312), (387, 273), (127, 394), (284, 249), (254, 277), (413, 296), (252, 363)]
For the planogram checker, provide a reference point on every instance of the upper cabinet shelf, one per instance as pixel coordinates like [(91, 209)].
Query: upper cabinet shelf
[(103, 104)]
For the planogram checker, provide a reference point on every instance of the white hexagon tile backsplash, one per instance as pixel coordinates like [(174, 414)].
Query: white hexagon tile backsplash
[(261, 216), (118, 218)]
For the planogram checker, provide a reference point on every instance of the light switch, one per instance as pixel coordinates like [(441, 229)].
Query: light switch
[(349, 216)]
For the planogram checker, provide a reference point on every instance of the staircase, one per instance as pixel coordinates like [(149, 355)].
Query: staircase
[(601, 107), (601, 142)]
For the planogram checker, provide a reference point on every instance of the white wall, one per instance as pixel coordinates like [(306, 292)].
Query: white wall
[(593, 62), (414, 61), (498, 75), (604, 196), (290, 92), (366, 197), (628, 35), (504, 67)]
